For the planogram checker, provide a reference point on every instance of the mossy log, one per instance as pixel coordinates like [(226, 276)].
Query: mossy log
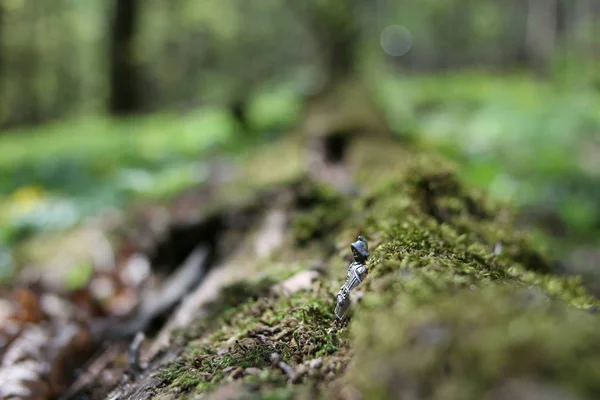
[(457, 303)]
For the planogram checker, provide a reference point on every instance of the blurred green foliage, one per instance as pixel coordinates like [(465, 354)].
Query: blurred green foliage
[(529, 141), (524, 140), (55, 55), (54, 175)]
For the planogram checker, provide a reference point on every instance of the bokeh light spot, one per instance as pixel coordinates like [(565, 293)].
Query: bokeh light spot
[(396, 40)]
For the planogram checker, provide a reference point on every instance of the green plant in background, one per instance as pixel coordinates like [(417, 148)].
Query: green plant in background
[(54, 175), (524, 140)]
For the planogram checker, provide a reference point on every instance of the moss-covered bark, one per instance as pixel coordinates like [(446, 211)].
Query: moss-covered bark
[(456, 305)]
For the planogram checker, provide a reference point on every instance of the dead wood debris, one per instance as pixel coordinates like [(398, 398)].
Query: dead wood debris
[(287, 369), (134, 351), (301, 281), (36, 364)]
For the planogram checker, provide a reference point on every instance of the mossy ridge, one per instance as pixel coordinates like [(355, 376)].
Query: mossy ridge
[(438, 263), (269, 167), (453, 227), (422, 251), (493, 342), (249, 310), (319, 211), (299, 328), (180, 376)]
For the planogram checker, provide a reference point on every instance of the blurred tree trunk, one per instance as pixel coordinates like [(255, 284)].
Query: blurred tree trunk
[(338, 37), (335, 27), (28, 66), (124, 79), (344, 105), (67, 96), (3, 94), (541, 32), (170, 84), (583, 27)]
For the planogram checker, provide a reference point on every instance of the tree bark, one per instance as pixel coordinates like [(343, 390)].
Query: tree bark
[(124, 74)]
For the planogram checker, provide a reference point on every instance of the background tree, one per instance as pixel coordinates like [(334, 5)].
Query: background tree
[(183, 54), (124, 78), (3, 110)]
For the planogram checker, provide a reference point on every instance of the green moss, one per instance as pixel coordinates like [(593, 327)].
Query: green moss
[(438, 276), (446, 262), (244, 335), (471, 243), (319, 211), (181, 376), (230, 299), (277, 394), (474, 344)]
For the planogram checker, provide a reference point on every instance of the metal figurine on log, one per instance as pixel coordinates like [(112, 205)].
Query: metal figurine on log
[(356, 272)]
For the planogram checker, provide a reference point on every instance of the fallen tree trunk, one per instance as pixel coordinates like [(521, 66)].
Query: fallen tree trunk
[(457, 303)]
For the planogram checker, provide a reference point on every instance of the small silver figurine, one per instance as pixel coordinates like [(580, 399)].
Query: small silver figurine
[(356, 272)]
